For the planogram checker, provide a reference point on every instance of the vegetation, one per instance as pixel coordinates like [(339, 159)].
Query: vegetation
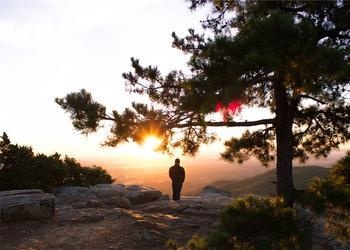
[(256, 223), (331, 198), (260, 223), (195, 243), (333, 191), (290, 57), (21, 169)]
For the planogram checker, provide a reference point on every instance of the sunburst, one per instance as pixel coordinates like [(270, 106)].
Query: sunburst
[(151, 143)]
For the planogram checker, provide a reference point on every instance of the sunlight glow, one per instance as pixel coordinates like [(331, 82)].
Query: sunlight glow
[(151, 143)]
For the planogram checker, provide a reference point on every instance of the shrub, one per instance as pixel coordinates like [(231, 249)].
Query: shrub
[(195, 243), (342, 169), (171, 245), (95, 175), (15, 166), (331, 192), (255, 223), (260, 223), (334, 191), (331, 198), (338, 224), (21, 169)]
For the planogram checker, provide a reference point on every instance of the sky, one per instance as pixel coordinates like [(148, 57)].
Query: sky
[(49, 48)]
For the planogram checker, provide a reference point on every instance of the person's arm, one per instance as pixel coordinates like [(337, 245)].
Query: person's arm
[(170, 173), (183, 174)]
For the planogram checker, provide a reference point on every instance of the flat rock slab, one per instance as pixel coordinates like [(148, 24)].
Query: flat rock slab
[(141, 194), (26, 205), (105, 196)]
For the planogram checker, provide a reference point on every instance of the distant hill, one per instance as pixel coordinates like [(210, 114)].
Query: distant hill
[(262, 184)]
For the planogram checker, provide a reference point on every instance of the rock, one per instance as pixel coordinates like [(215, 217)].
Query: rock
[(106, 191), (98, 196), (141, 194), (164, 197), (111, 194), (118, 202), (32, 204), (17, 192), (105, 195), (70, 194), (69, 214), (211, 190)]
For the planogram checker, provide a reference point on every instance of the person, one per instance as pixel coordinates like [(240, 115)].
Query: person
[(177, 175)]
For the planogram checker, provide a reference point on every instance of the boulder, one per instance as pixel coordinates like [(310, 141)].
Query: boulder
[(164, 197), (214, 191), (108, 191), (71, 194), (112, 195), (32, 204), (105, 195), (141, 194)]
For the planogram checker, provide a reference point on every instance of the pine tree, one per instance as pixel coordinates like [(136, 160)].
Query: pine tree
[(291, 57)]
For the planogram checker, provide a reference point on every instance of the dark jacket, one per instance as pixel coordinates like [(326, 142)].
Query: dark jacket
[(177, 173)]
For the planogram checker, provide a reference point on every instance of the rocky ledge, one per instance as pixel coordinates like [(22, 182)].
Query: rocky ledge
[(105, 196), (115, 217), (34, 204), (26, 204)]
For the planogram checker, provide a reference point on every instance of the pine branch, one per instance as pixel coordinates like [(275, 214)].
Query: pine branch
[(312, 98), (224, 124)]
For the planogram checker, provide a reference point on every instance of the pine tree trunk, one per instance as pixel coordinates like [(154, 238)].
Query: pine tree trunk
[(284, 166), (284, 141)]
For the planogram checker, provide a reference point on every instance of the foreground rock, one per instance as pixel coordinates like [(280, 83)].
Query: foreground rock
[(105, 196), (212, 191), (32, 204), (144, 226)]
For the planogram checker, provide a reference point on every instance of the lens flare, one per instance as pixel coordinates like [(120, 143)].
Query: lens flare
[(231, 109)]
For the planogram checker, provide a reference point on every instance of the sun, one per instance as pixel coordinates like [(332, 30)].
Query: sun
[(151, 143)]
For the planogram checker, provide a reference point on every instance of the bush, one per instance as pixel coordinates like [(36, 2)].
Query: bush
[(322, 194), (342, 169), (21, 169), (334, 191), (255, 223), (195, 243), (338, 224), (331, 198), (260, 223)]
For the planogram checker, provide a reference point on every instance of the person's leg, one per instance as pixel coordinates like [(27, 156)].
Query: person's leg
[(176, 191), (179, 190)]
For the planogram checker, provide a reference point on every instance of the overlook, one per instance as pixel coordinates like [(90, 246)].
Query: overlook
[(186, 124)]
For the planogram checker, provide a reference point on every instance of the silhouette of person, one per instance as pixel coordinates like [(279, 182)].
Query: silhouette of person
[(177, 175)]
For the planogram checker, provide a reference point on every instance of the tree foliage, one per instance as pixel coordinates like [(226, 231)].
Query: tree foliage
[(290, 57), (21, 169)]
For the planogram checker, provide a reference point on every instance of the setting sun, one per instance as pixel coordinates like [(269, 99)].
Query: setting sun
[(151, 143)]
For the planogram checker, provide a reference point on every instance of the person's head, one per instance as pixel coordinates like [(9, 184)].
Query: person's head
[(177, 161)]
